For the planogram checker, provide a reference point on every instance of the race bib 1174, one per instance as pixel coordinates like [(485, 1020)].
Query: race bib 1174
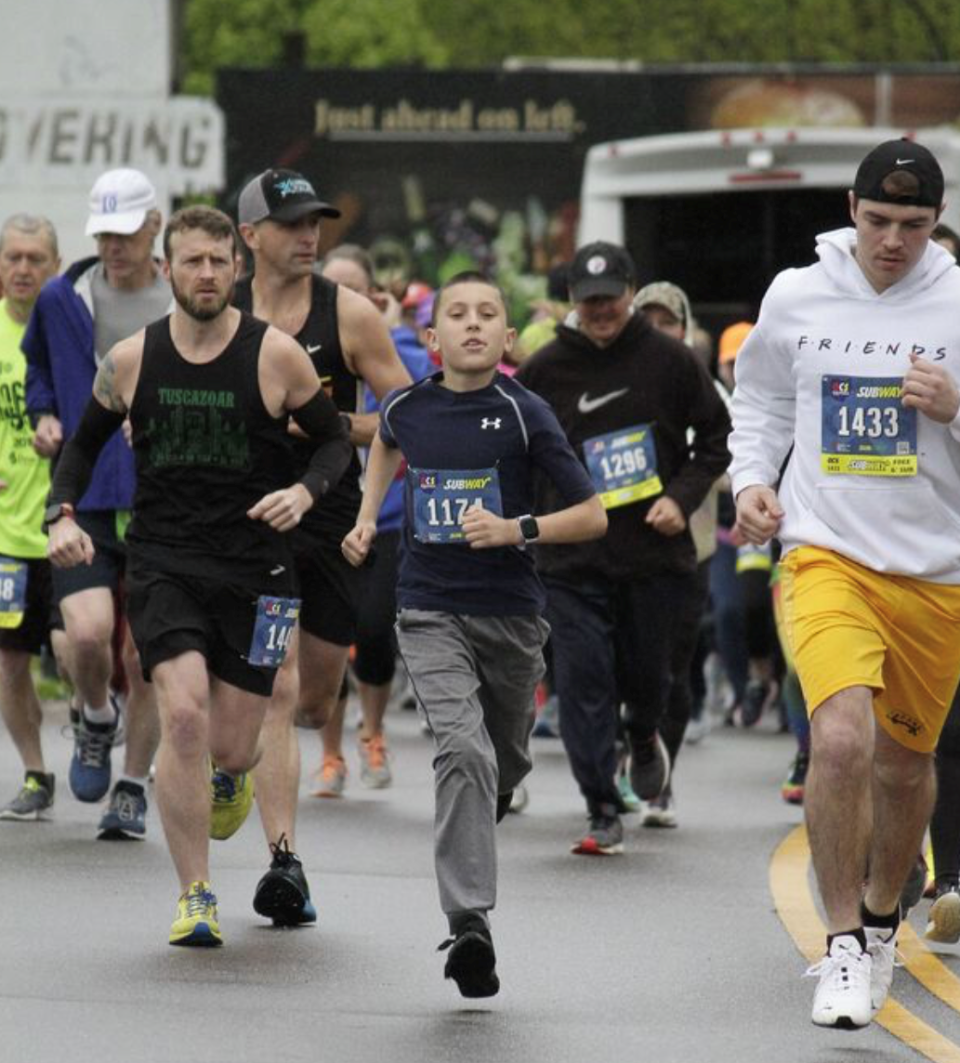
[(441, 498)]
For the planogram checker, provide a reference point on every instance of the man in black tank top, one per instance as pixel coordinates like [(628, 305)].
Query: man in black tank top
[(349, 344), (209, 392)]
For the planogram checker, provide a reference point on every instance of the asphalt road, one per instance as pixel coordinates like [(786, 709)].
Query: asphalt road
[(673, 953)]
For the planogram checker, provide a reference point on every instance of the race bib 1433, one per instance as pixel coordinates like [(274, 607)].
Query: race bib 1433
[(866, 430)]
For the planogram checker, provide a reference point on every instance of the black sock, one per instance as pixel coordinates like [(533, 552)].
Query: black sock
[(41, 778), (470, 919), (883, 922), (858, 934)]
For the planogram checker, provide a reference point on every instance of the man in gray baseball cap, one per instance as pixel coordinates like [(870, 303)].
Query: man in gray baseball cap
[(280, 195)]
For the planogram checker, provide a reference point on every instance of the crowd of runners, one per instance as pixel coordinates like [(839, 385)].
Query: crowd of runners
[(239, 478)]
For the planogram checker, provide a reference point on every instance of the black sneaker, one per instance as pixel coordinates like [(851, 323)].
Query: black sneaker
[(283, 894), (750, 709), (649, 767), (792, 787), (913, 888), (471, 962)]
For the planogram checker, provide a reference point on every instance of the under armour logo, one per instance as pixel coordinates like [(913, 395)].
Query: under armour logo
[(908, 723), (490, 422)]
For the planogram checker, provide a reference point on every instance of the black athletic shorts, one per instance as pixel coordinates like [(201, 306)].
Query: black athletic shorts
[(33, 632), (109, 560), (172, 614), (331, 589)]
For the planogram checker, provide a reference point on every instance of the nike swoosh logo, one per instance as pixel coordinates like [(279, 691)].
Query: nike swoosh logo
[(900, 162), (276, 571), (585, 405), (312, 348)]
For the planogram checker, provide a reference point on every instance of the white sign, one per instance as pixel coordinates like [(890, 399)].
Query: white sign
[(85, 48), (60, 142)]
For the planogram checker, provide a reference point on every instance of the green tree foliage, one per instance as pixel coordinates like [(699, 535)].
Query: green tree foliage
[(470, 33)]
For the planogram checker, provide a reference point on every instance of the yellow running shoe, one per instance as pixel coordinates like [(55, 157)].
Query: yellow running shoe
[(231, 797), (196, 923)]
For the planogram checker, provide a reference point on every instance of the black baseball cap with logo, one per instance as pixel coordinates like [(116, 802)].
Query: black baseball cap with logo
[(280, 195), (601, 269), (900, 156)]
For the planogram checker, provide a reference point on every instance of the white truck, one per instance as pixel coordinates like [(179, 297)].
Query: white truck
[(721, 212)]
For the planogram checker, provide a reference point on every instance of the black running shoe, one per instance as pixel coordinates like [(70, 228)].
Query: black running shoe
[(916, 882), (471, 962), (649, 767), (283, 894)]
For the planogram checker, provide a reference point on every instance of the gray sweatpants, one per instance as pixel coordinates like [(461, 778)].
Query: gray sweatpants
[(475, 679)]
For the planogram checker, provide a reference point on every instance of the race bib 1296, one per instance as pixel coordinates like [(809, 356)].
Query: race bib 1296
[(623, 465)]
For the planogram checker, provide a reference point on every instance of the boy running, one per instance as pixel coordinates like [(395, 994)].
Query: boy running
[(470, 602)]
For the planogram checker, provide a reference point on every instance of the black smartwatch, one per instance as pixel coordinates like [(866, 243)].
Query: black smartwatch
[(54, 512), (529, 530)]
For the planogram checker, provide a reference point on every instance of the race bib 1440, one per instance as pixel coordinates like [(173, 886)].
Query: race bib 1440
[(272, 630)]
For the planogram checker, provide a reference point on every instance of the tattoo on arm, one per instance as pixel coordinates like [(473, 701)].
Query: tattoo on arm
[(104, 386)]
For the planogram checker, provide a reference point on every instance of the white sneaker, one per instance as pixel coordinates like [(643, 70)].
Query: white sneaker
[(842, 998), (698, 729), (520, 798), (660, 812), (882, 946)]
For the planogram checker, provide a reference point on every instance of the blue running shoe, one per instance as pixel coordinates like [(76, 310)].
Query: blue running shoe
[(127, 815), (90, 764)]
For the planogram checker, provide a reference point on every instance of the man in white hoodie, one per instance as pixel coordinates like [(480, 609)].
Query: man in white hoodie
[(850, 379)]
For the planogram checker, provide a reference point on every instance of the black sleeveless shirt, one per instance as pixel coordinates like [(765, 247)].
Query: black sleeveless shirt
[(336, 513), (206, 449)]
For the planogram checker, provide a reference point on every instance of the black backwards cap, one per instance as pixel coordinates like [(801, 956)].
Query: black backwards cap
[(600, 269), (900, 157), (280, 195)]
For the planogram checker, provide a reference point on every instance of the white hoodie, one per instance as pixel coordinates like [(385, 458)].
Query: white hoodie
[(824, 331)]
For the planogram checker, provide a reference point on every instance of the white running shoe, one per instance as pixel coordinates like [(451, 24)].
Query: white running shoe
[(842, 998), (882, 946)]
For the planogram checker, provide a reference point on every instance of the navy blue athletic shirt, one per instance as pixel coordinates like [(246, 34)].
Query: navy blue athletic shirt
[(501, 426)]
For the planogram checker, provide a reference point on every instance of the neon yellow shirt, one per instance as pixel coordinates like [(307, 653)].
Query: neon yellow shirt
[(26, 474)]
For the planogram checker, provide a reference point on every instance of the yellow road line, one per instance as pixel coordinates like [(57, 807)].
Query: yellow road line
[(927, 968), (789, 885)]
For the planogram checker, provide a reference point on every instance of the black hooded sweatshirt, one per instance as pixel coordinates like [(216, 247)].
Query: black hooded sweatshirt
[(643, 378)]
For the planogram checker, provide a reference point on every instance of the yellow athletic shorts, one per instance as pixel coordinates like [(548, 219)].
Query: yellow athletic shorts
[(849, 626)]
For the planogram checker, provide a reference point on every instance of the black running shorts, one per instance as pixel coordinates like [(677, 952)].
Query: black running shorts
[(173, 614), (331, 589)]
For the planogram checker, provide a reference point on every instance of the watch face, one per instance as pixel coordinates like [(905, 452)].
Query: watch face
[(529, 528)]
